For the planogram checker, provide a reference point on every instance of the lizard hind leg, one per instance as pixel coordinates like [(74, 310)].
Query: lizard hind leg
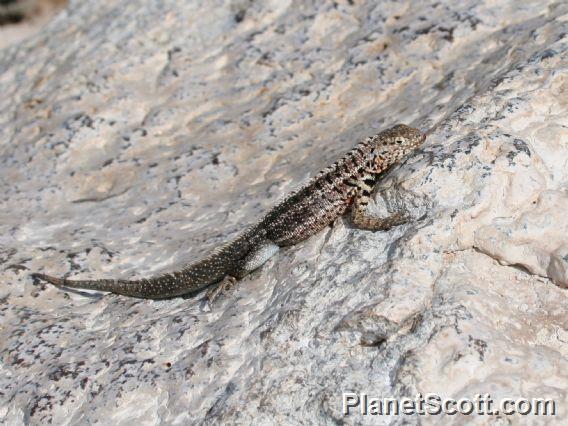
[(223, 287), (254, 260), (258, 256)]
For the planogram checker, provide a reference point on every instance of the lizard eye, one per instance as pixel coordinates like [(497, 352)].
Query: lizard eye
[(399, 140)]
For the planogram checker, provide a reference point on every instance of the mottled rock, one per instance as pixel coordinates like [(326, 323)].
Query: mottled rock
[(136, 136)]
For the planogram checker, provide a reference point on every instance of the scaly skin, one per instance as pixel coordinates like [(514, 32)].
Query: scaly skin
[(305, 211)]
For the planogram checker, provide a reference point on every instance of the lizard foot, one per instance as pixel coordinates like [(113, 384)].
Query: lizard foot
[(218, 289)]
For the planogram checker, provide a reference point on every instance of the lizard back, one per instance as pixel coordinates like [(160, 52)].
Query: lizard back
[(319, 201)]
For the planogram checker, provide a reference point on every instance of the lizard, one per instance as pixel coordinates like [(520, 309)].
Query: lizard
[(346, 184)]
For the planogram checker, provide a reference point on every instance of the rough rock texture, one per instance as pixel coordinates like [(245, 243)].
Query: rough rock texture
[(135, 136)]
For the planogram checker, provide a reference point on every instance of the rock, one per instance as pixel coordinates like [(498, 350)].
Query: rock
[(136, 136)]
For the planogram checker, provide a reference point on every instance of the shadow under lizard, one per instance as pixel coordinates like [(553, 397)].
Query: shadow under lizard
[(345, 184)]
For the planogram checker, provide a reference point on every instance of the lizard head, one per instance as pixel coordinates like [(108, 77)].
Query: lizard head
[(395, 143)]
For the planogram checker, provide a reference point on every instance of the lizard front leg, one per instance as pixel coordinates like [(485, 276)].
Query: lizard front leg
[(363, 219)]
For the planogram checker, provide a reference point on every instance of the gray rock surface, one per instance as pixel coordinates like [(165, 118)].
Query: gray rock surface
[(136, 136)]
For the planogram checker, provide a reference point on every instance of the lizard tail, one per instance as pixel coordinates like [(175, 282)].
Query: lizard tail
[(214, 268), (190, 279), (116, 286)]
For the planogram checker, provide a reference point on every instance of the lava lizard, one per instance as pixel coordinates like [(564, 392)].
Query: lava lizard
[(346, 183)]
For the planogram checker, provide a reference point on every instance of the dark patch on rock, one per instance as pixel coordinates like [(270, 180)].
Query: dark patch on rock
[(240, 16)]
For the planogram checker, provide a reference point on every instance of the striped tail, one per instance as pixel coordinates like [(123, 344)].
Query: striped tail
[(221, 263)]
